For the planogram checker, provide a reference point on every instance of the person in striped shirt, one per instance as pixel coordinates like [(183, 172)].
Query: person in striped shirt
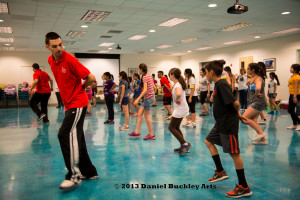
[(148, 94)]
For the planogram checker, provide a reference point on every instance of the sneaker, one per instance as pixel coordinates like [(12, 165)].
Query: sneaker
[(46, 123), (68, 184), (124, 127), (271, 112), (111, 122), (184, 149), (169, 117), (239, 191), (202, 114), (191, 125), (154, 105), (263, 121), (136, 115), (298, 128), (186, 123), (41, 117), (149, 137), (88, 178), (292, 127), (88, 114), (258, 136), (261, 142), (107, 121), (218, 176), (277, 113), (163, 108), (134, 134)]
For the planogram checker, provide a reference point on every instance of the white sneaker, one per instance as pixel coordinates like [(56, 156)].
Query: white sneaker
[(68, 184), (169, 117), (186, 123), (90, 178), (292, 127), (258, 136), (261, 142), (263, 121), (163, 108), (191, 125)]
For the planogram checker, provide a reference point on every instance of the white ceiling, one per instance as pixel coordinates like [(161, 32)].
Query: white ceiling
[(32, 19)]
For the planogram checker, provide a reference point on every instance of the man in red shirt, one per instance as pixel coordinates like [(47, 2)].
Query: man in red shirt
[(69, 73), (42, 94), (166, 86)]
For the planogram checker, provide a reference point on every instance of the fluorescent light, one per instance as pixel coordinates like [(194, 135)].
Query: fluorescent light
[(6, 39), (286, 13), (5, 30), (152, 50), (137, 37), (76, 33), (189, 51), (172, 22), (84, 26), (8, 48), (235, 26), (164, 46), (103, 51), (110, 48), (203, 48), (94, 15), (212, 5), (233, 42), (257, 37), (68, 42), (7, 44), (188, 40), (106, 44), (4, 8), (1, 20), (152, 31), (286, 31)]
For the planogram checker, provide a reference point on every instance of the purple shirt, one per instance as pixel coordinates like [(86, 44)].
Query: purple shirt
[(107, 86)]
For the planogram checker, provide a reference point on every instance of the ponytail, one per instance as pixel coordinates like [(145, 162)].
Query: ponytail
[(275, 77), (182, 82), (177, 74), (109, 75)]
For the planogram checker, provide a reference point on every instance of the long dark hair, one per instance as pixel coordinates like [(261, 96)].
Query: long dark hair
[(228, 70), (264, 69), (257, 69), (137, 75), (177, 74), (275, 76), (189, 72), (109, 75), (129, 79), (124, 77)]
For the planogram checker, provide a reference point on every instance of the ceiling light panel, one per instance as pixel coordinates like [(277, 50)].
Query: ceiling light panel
[(286, 31), (106, 44), (76, 33), (203, 48), (68, 43), (236, 26), (173, 22), (233, 42), (6, 30), (4, 8), (6, 39), (137, 37), (94, 15), (164, 46), (188, 40)]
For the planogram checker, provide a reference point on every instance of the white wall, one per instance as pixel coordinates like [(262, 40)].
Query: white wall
[(284, 49)]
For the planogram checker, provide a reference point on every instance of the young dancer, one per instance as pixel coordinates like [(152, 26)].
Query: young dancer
[(263, 120), (232, 79), (68, 73), (131, 90), (155, 83), (203, 88), (191, 98), (294, 90), (124, 98), (137, 91), (108, 87), (167, 97), (272, 89), (225, 132), (148, 94), (89, 94), (242, 80), (94, 90), (257, 100), (181, 109)]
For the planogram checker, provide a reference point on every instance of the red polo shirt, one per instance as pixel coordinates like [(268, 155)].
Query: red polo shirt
[(164, 81), (68, 73), (43, 84)]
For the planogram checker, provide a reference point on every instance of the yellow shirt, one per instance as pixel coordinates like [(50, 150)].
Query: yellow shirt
[(292, 81)]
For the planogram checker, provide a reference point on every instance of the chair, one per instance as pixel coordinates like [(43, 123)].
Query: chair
[(23, 95)]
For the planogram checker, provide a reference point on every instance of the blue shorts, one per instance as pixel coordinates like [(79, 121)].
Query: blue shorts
[(125, 101), (148, 103), (136, 95), (271, 96)]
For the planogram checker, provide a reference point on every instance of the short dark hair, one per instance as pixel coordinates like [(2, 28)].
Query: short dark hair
[(35, 66), (215, 66), (296, 68), (51, 36), (143, 67), (161, 72)]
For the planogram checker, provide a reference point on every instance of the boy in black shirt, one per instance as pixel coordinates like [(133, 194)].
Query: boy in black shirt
[(225, 132)]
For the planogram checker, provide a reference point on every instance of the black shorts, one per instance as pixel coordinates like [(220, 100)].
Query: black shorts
[(229, 142), (192, 105), (167, 100), (203, 96)]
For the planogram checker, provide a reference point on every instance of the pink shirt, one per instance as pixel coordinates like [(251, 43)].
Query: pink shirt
[(150, 86)]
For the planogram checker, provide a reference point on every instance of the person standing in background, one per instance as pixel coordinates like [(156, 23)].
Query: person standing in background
[(272, 92), (94, 93), (155, 83), (204, 88), (42, 94), (242, 80), (167, 97)]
